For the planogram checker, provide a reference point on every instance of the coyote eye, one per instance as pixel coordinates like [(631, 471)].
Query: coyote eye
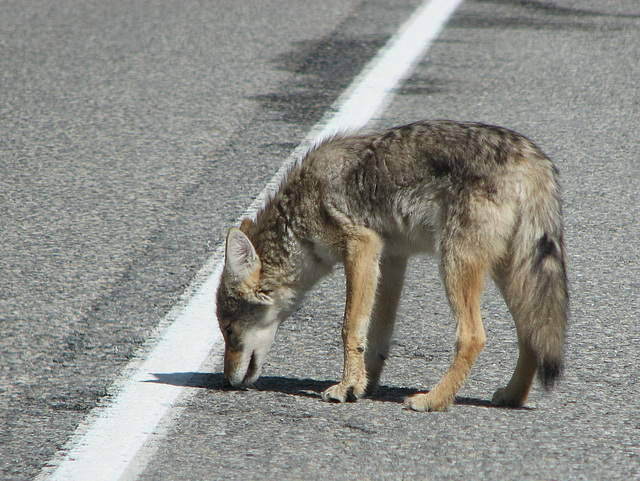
[(264, 296), (231, 338), (228, 332)]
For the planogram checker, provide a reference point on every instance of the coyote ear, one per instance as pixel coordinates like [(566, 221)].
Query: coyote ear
[(246, 225), (242, 260)]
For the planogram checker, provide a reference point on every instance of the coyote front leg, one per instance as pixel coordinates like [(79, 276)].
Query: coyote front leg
[(392, 269), (362, 257)]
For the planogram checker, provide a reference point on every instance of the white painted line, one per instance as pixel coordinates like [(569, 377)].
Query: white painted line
[(371, 88), (106, 444)]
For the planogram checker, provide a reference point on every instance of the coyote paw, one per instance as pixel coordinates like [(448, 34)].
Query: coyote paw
[(502, 398), (342, 392), (426, 402)]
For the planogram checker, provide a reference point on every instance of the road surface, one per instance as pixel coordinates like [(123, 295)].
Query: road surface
[(134, 134)]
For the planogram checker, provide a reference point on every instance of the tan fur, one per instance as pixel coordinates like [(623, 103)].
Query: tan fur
[(392, 269), (362, 252), (463, 284), (485, 199)]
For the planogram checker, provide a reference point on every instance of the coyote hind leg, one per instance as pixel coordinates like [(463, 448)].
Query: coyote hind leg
[(392, 269), (516, 392), (463, 284)]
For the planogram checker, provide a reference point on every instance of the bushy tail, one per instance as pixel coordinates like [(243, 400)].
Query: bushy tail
[(535, 280)]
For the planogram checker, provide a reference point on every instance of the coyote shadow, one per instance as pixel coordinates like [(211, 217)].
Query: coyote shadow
[(311, 388)]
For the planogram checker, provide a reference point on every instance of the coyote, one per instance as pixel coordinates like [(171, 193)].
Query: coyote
[(483, 198)]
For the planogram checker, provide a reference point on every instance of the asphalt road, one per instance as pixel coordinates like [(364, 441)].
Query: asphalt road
[(134, 133)]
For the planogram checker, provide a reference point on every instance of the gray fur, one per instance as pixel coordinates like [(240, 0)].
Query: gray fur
[(481, 197)]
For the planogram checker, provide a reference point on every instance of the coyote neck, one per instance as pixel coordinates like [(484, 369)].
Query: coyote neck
[(289, 259)]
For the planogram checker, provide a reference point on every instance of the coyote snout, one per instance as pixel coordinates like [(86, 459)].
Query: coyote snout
[(484, 198), (237, 372), (243, 361)]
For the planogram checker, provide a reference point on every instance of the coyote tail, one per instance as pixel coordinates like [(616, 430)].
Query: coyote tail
[(536, 279)]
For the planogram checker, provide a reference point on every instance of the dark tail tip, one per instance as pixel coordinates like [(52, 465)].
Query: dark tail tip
[(548, 372)]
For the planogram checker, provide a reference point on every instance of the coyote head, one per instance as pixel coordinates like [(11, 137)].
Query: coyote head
[(249, 314)]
